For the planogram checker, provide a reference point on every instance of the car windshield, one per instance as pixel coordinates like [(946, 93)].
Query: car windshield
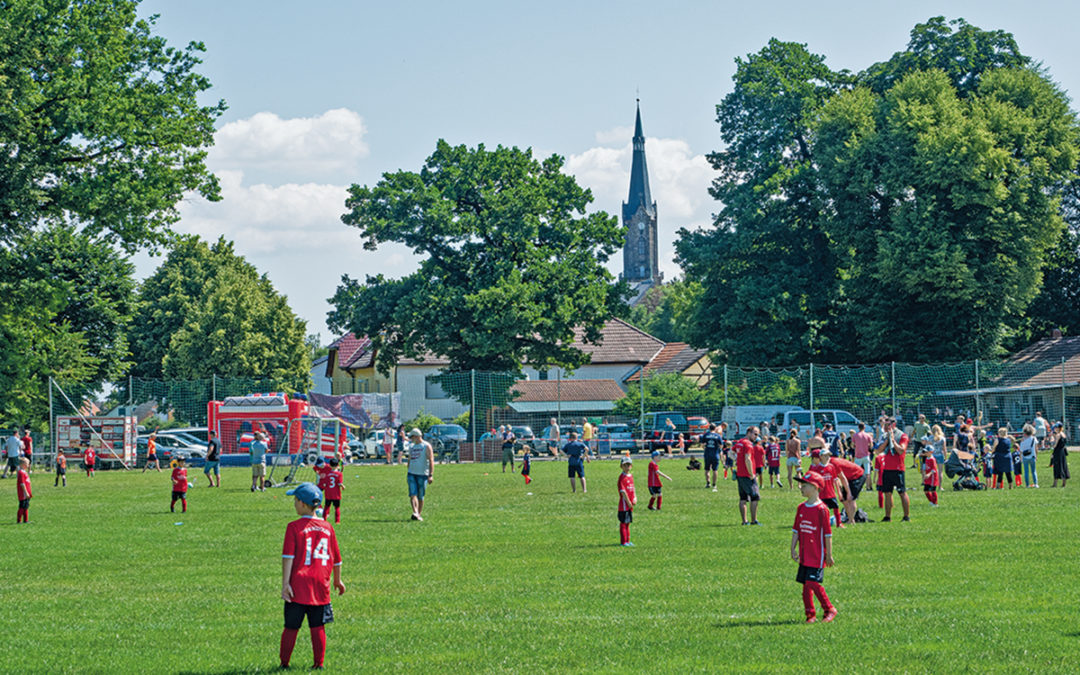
[(615, 429)]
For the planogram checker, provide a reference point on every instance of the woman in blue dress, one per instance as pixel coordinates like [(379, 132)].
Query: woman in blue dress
[(1003, 459)]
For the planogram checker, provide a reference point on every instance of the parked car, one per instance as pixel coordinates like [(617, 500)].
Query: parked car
[(739, 418), (444, 439), (372, 446), (842, 421), (615, 438), (662, 428), (198, 434), (167, 448), (698, 425), (186, 436)]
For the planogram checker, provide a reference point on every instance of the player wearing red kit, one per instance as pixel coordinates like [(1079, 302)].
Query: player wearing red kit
[(179, 485), (627, 499), (894, 446), (89, 457), (655, 494), (879, 469), (309, 557), (811, 547), (931, 477), (830, 473), (22, 488), (331, 483), (746, 477)]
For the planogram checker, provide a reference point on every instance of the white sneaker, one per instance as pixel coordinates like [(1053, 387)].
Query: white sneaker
[(715, 490)]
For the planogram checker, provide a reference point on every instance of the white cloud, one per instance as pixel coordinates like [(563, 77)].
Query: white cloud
[(678, 178), (332, 141)]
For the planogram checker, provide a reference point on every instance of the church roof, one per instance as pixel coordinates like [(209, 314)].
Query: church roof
[(640, 194)]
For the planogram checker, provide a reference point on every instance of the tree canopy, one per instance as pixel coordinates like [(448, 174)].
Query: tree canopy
[(905, 212), (512, 263), (207, 311)]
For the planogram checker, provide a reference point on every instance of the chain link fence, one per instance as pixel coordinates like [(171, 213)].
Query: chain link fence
[(633, 414)]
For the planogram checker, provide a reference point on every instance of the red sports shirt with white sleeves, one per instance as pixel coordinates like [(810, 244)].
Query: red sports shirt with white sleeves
[(179, 479), (313, 547), (812, 526), (22, 483), (626, 482), (89, 456), (654, 475), (330, 484), (932, 475)]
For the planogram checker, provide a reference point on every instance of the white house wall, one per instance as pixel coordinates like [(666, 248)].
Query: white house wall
[(411, 385)]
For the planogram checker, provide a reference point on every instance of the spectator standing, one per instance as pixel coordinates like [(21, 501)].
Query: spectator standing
[(894, 446), (13, 451), (745, 476), (919, 436), (1059, 461), (1003, 464), (1028, 452), (588, 431), (553, 437), (792, 448), (420, 472), (212, 468), (1041, 427), (576, 454), (258, 462), (863, 441), (712, 443)]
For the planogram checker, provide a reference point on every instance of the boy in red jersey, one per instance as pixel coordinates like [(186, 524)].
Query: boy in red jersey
[(89, 457), (179, 485), (879, 469), (22, 483), (759, 461), (331, 483), (772, 457), (654, 482), (821, 465), (627, 499), (811, 547), (308, 558), (931, 479)]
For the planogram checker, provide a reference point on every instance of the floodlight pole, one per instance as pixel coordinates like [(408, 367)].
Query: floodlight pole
[(977, 392)]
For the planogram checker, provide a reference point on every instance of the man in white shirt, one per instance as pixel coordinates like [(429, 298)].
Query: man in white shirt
[(13, 451)]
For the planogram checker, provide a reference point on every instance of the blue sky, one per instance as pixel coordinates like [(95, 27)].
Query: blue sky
[(329, 93)]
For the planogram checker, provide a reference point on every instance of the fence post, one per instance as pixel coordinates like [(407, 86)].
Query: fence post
[(977, 394), (558, 397), (1064, 424), (641, 389), (725, 385), (52, 436), (811, 399), (892, 386), (131, 391), (472, 411), (213, 387)]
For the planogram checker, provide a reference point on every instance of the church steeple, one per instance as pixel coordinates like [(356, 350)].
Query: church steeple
[(640, 263)]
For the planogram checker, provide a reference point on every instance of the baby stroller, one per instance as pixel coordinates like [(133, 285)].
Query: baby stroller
[(963, 466)]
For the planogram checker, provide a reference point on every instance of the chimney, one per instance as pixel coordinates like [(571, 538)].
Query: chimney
[(1055, 334)]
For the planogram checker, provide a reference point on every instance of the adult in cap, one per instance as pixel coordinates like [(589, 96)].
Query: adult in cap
[(421, 469)]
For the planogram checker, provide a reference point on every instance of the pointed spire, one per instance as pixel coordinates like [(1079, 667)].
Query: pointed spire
[(637, 125), (639, 171)]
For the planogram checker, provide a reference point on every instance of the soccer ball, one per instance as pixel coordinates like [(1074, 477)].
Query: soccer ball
[(191, 482)]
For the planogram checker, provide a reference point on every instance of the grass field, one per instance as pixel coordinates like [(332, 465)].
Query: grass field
[(105, 579)]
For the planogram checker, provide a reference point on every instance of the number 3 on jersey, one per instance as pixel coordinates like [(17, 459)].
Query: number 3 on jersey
[(321, 552), (331, 482)]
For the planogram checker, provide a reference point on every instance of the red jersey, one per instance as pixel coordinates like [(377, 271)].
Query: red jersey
[(895, 462), (812, 526), (331, 484), (313, 547), (654, 474), (322, 471), (774, 454), (27, 446), (851, 470), (179, 479), (88, 456), (22, 483), (743, 449), (151, 448), (932, 477), (626, 484), (759, 457), (879, 466), (830, 472)]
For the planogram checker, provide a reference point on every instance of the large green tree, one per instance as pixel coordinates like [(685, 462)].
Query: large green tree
[(511, 262), (207, 311), (100, 125), (905, 212)]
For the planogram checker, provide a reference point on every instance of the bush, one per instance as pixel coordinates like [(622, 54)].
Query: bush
[(462, 420), (423, 421)]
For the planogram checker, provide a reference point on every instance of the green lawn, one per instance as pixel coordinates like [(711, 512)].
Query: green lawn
[(105, 579)]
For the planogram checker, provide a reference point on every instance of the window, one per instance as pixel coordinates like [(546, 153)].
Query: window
[(846, 418), (801, 419), (542, 374), (432, 389), (641, 247)]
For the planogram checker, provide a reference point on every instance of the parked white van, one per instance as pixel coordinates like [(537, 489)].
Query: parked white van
[(739, 418), (842, 421)]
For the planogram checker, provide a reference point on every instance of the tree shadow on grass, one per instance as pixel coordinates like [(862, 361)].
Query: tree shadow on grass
[(756, 624), (1075, 634)]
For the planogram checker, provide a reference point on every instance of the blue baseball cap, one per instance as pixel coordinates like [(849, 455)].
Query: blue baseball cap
[(307, 493), (655, 453)]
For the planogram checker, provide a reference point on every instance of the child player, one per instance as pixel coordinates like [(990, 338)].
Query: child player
[(22, 482), (811, 547), (654, 482), (89, 457), (879, 468), (308, 558), (627, 499), (930, 477), (61, 468), (772, 456), (526, 465), (331, 484), (179, 485)]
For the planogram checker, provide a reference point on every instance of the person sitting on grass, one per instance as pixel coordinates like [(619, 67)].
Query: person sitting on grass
[(309, 557), (811, 547)]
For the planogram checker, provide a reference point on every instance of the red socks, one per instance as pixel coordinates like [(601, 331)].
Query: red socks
[(624, 533), (818, 590), (659, 502), (652, 500), (183, 502), (337, 514), (528, 480), (725, 474), (836, 512), (22, 516), (932, 496), (318, 645), (288, 641)]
